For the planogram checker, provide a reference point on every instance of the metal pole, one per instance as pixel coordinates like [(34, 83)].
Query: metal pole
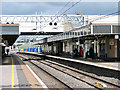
[(78, 44), (36, 21), (96, 46), (29, 45)]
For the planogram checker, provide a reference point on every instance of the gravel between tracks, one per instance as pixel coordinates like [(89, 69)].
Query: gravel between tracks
[(70, 81), (47, 79), (75, 74)]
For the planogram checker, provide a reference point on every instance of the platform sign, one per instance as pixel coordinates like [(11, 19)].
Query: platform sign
[(116, 36), (77, 43)]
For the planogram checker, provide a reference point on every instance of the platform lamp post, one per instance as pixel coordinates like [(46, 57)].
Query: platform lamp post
[(29, 45), (96, 38), (41, 27)]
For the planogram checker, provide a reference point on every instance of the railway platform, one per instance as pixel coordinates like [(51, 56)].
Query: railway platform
[(109, 69), (15, 74), (109, 65)]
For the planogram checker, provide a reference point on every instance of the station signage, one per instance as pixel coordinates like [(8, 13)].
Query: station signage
[(77, 43), (116, 36)]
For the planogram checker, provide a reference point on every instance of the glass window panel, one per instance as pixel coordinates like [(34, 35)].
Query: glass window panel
[(10, 29), (101, 29), (116, 28)]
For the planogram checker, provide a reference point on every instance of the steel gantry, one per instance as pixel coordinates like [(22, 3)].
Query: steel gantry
[(42, 18), (44, 21)]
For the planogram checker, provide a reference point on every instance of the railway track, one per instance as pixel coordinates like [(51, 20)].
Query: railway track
[(82, 77), (51, 75), (78, 74), (59, 76)]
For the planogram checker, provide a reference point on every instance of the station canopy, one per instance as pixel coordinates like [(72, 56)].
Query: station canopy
[(10, 33)]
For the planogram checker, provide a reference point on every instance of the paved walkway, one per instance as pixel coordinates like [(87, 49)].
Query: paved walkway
[(15, 74)]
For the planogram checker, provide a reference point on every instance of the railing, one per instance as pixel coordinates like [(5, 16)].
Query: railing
[(84, 31), (39, 42), (79, 32)]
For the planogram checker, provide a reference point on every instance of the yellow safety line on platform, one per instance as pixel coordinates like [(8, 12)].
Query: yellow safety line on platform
[(12, 73)]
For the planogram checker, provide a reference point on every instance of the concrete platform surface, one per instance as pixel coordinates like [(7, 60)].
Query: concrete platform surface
[(15, 74)]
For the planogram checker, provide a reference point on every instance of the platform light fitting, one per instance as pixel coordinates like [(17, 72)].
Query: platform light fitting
[(7, 23), (55, 23), (34, 29), (12, 22), (50, 23)]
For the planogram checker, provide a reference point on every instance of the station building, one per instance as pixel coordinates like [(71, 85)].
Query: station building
[(101, 33)]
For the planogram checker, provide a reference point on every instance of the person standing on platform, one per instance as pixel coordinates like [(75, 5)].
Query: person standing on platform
[(91, 53), (81, 51), (73, 53), (76, 52)]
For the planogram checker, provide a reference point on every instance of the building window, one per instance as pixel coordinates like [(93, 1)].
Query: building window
[(101, 29), (116, 28)]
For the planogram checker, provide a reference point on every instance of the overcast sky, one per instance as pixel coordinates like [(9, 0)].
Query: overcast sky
[(29, 8)]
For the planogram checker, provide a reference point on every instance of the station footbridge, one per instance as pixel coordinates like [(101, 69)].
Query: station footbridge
[(14, 25)]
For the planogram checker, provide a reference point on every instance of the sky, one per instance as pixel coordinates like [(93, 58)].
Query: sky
[(51, 8)]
